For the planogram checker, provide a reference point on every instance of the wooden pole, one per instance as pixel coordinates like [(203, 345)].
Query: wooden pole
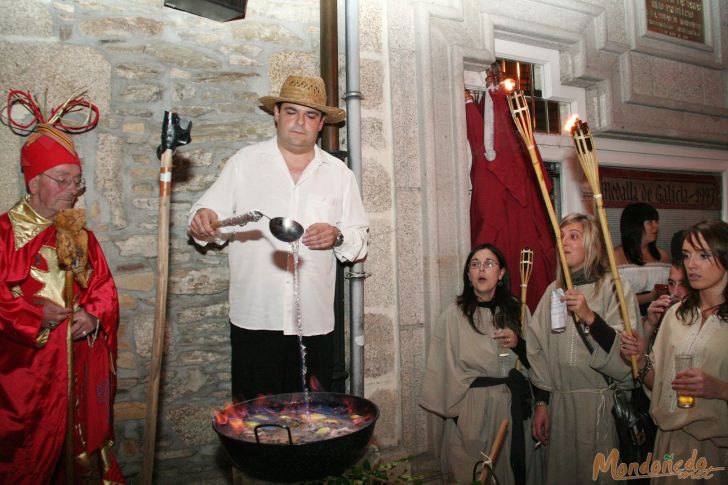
[(329, 54), (68, 300), (588, 160), (160, 311), (71, 254), (329, 41), (615, 276), (495, 448)]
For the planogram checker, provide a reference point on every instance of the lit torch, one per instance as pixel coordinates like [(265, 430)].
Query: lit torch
[(584, 144), (509, 84), (526, 267), (522, 118)]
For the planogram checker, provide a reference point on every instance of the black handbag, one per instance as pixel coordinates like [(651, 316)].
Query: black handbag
[(635, 429), (631, 411)]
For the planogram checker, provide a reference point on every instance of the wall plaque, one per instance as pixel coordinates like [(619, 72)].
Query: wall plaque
[(682, 19), (662, 190)]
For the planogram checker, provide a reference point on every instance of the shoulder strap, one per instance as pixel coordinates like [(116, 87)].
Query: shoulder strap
[(589, 347)]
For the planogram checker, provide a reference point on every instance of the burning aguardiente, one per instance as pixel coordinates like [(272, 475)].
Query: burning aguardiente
[(276, 438), (269, 420)]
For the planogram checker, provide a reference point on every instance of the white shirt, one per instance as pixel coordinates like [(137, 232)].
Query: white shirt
[(644, 278), (261, 290)]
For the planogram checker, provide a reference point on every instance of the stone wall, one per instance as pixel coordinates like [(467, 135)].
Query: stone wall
[(138, 59)]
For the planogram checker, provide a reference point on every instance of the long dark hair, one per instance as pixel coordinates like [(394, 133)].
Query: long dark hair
[(508, 306), (676, 247), (632, 227), (715, 234)]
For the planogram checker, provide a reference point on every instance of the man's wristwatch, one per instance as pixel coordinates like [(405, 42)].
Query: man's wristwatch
[(339, 238)]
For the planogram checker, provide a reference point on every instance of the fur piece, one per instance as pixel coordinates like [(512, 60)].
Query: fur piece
[(72, 244)]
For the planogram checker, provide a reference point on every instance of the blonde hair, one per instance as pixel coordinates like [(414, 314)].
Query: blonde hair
[(596, 260)]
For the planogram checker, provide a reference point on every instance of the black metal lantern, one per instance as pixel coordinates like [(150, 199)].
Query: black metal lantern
[(220, 10)]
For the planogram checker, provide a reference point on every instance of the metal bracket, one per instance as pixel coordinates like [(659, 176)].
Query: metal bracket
[(352, 94), (352, 275)]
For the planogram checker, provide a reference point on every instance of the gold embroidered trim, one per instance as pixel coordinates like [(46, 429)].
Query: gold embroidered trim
[(53, 280), (106, 461), (26, 222), (104, 453), (84, 459)]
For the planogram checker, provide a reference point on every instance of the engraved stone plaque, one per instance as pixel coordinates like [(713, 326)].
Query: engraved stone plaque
[(682, 19)]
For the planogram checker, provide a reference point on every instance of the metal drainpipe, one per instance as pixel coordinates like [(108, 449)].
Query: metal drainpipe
[(353, 126)]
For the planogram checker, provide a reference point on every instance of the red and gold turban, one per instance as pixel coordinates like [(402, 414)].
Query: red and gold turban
[(48, 143), (46, 148)]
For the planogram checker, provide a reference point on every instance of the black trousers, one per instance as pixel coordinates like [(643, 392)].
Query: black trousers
[(269, 362)]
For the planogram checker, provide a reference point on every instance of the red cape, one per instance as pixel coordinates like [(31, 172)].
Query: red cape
[(506, 206), (33, 380)]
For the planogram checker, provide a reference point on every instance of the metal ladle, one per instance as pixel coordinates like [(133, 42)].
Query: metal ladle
[(283, 228)]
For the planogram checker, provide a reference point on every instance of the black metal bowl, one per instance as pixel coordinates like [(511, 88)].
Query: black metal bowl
[(304, 461)]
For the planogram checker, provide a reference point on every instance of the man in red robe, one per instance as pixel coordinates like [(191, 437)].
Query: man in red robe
[(33, 326)]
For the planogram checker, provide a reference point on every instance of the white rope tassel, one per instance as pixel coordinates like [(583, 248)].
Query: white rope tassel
[(487, 464), (489, 124)]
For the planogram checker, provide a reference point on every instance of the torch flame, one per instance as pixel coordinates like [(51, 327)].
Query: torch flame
[(571, 122), (509, 84)]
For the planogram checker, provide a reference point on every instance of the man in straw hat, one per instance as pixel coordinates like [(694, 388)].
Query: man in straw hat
[(286, 176), (33, 325)]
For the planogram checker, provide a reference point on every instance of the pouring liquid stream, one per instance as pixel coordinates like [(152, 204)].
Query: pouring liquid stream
[(299, 328)]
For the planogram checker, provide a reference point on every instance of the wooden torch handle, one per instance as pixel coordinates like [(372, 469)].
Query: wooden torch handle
[(495, 448), (615, 276)]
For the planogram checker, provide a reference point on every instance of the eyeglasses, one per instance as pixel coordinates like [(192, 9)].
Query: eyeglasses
[(488, 263), (79, 183)]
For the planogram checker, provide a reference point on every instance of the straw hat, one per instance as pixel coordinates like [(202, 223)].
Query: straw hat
[(306, 91)]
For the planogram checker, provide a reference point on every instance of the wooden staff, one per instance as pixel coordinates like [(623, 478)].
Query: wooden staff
[(522, 118), (68, 300), (173, 135), (495, 448), (72, 253), (160, 315), (588, 160)]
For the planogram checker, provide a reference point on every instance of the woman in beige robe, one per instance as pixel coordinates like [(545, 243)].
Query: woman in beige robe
[(464, 351), (572, 414), (697, 326)]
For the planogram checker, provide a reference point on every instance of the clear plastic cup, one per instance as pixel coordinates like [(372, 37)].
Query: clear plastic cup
[(683, 362)]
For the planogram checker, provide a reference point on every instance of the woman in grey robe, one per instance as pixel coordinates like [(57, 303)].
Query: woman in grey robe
[(572, 412), (697, 326), (471, 379)]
